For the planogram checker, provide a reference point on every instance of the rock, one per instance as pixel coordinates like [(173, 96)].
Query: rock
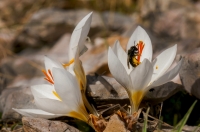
[(41, 125), (95, 59), (48, 25), (169, 24), (117, 22), (10, 99), (28, 67), (190, 71), (106, 90), (161, 93), (115, 124), (17, 95)]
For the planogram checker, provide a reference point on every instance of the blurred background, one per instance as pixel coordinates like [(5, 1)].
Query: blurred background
[(30, 29)]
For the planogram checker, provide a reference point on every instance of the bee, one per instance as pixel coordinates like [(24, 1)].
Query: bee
[(134, 54)]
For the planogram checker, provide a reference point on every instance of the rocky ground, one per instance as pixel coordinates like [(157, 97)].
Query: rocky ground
[(26, 37)]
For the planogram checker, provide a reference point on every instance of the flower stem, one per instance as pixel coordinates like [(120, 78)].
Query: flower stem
[(88, 106)]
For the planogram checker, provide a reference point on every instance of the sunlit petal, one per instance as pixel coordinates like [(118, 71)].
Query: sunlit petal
[(163, 61), (79, 72), (36, 113), (121, 55), (141, 75), (50, 63), (43, 91), (67, 88), (117, 69), (140, 35), (51, 105), (79, 35), (167, 76)]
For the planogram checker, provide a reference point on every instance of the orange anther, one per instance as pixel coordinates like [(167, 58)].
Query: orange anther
[(47, 77)]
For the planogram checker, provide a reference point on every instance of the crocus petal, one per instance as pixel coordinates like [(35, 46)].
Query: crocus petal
[(36, 113), (79, 35), (43, 91), (117, 69), (141, 75), (167, 76), (140, 35), (50, 63), (163, 61), (80, 73), (121, 55), (51, 105), (67, 88)]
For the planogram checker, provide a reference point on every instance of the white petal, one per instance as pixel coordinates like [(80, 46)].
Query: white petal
[(43, 91), (79, 71), (79, 35), (140, 35), (141, 75), (167, 76), (52, 106), (163, 61), (36, 113), (121, 55), (117, 69), (50, 63), (67, 88)]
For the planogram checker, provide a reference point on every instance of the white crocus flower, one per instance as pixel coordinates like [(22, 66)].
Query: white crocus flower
[(48, 93), (61, 99), (147, 74), (74, 66)]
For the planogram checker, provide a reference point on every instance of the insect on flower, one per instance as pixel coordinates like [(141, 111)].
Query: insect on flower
[(143, 73), (134, 54)]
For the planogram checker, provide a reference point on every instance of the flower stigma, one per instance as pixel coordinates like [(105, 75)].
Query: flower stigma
[(140, 49), (68, 64)]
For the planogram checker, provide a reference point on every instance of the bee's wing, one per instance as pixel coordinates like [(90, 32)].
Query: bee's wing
[(128, 62)]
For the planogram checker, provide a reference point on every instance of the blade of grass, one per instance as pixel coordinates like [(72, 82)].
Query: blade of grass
[(145, 121), (179, 126)]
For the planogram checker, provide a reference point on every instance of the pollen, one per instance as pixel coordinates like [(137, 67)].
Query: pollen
[(48, 76), (156, 67), (68, 64)]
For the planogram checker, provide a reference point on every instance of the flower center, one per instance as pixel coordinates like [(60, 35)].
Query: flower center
[(48, 76)]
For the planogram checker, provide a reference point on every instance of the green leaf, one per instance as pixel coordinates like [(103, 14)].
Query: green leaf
[(145, 121), (179, 126)]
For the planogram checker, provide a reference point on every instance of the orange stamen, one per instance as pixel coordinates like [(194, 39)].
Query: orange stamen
[(68, 64), (140, 49), (49, 71), (47, 77)]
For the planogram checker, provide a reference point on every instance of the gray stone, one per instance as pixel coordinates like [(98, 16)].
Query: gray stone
[(18, 95), (190, 71), (41, 125), (106, 90), (15, 98), (48, 25)]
